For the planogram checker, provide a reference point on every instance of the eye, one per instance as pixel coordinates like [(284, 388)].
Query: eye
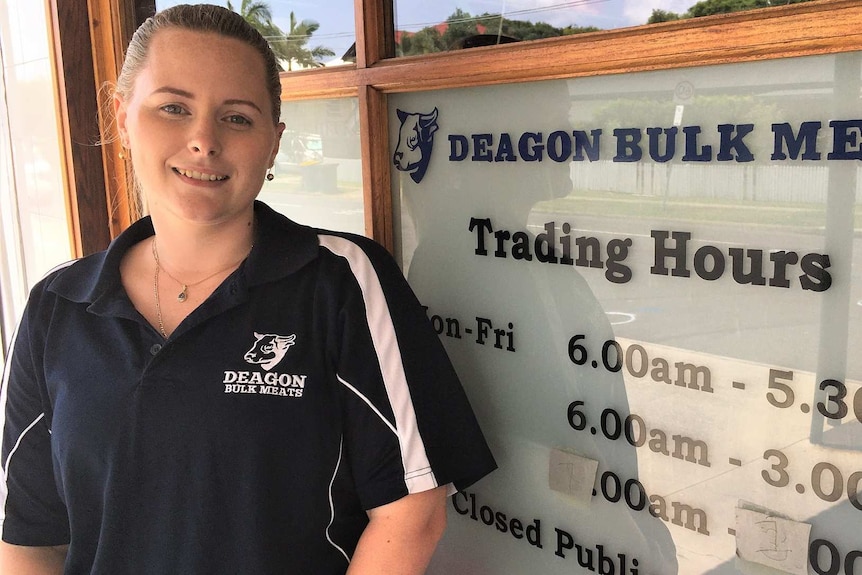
[(238, 120), (413, 139), (173, 109)]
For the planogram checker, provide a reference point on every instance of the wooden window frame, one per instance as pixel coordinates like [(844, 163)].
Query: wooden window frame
[(87, 49), (814, 28)]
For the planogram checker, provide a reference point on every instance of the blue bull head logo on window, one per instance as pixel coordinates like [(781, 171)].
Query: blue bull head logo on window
[(415, 140)]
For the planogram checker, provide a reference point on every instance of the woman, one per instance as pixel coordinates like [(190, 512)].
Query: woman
[(223, 390)]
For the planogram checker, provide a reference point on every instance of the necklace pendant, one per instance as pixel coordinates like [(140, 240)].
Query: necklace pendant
[(183, 296)]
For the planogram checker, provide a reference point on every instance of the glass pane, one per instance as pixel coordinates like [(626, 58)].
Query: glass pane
[(650, 286), (318, 170), (304, 34), (423, 27), (34, 223)]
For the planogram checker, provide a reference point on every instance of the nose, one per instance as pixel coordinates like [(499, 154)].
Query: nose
[(204, 139)]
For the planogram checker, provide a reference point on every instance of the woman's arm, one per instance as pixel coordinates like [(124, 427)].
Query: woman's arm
[(21, 560), (401, 536)]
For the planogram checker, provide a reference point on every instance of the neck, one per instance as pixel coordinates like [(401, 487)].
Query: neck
[(192, 253)]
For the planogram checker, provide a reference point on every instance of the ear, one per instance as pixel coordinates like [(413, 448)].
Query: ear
[(121, 114), (279, 130)]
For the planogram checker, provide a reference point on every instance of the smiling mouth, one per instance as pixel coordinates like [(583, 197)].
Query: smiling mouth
[(200, 175)]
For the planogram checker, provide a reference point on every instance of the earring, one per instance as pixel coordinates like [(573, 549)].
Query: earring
[(269, 176), (122, 154)]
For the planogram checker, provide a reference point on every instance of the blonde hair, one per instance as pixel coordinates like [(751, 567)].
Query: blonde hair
[(198, 18)]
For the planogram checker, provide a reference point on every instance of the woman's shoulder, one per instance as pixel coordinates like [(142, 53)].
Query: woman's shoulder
[(302, 243), (85, 278), (60, 278)]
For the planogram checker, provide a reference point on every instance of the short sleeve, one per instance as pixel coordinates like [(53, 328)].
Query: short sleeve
[(32, 512), (409, 424)]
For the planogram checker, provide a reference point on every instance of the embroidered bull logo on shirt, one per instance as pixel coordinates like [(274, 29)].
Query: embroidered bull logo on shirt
[(415, 140), (269, 349)]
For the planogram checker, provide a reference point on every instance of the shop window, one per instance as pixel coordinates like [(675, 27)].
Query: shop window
[(649, 283), (34, 233)]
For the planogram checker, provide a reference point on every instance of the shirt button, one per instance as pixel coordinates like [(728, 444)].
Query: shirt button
[(155, 349)]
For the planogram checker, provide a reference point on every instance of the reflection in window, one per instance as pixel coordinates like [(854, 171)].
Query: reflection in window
[(418, 33), (318, 170), (303, 35), (425, 27)]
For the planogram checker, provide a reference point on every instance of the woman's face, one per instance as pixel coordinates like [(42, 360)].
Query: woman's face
[(199, 127)]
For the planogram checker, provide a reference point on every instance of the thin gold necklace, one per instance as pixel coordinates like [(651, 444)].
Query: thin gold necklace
[(184, 293), (158, 303)]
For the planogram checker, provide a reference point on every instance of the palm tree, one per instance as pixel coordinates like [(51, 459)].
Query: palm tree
[(258, 14), (294, 47), (289, 48)]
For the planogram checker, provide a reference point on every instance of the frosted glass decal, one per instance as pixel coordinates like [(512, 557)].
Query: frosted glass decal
[(648, 282)]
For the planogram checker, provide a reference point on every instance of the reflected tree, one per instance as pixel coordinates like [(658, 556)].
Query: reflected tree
[(662, 16), (256, 13), (711, 7), (461, 25), (425, 41), (291, 48), (295, 46)]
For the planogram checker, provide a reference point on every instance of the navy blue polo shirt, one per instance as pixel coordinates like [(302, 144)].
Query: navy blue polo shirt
[(308, 388)]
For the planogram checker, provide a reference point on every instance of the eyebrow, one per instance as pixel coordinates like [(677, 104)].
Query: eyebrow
[(189, 95)]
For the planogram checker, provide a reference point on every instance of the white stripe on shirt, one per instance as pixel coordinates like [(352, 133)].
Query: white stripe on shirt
[(417, 468), (4, 398)]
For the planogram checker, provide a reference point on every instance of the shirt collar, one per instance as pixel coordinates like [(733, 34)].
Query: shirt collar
[(281, 247)]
